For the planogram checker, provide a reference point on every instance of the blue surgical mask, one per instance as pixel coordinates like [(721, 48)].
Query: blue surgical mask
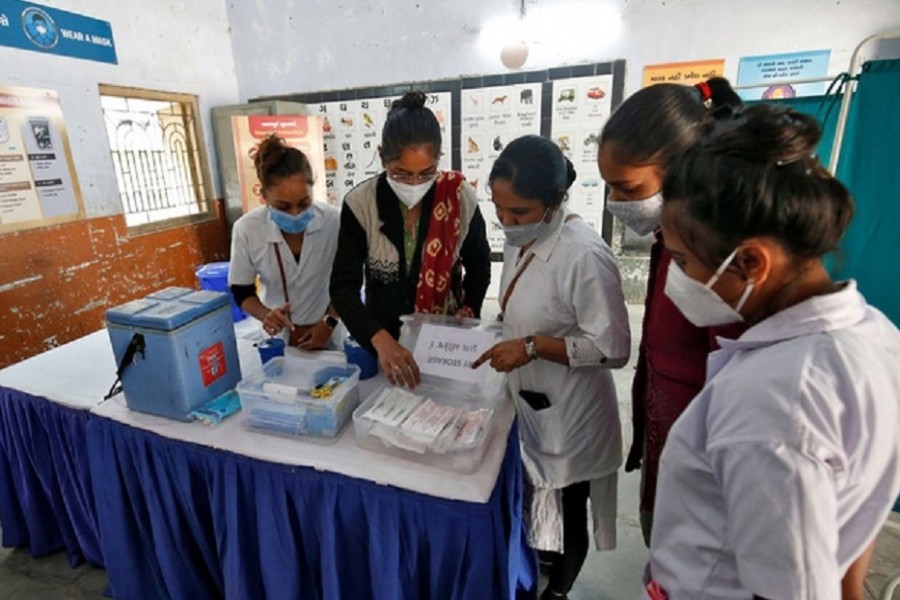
[(289, 223), (519, 235)]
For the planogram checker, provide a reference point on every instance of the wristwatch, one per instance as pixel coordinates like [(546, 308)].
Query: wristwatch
[(530, 348), (330, 322)]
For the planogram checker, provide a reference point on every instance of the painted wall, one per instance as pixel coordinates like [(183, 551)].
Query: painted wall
[(56, 282), (331, 44)]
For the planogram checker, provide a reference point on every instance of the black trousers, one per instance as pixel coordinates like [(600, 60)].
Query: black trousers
[(564, 567)]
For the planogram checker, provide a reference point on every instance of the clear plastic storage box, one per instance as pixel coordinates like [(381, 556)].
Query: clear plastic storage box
[(444, 422), (299, 397)]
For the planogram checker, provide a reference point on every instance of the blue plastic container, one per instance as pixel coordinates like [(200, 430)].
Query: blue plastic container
[(270, 348), (362, 358), (189, 351), (214, 277)]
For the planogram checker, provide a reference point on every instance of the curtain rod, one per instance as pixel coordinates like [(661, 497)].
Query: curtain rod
[(848, 94)]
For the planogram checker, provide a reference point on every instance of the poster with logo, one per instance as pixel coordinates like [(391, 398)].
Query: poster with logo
[(581, 107), (685, 73), (490, 118), (38, 184), (49, 30), (301, 132), (352, 134)]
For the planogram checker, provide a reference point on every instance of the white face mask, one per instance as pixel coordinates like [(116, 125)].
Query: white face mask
[(519, 235), (641, 216), (410, 194), (698, 302)]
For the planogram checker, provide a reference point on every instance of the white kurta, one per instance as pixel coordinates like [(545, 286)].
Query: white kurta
[(252, 254), (571, 289), (784, 467)]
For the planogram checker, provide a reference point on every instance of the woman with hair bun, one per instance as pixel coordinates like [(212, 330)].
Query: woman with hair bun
[(565, 325), (289, 245), (780, 473), (639, 142), (415, 235)]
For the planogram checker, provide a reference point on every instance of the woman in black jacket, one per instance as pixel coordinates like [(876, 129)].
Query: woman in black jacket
[(415, 235)]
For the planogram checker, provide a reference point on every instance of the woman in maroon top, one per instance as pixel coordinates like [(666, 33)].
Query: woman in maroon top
[(639, 142)]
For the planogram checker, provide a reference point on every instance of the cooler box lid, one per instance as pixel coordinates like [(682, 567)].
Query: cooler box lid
[(167, 309)]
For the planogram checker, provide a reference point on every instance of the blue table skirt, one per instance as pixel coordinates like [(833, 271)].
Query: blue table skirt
[(46, 499), (187, 521)]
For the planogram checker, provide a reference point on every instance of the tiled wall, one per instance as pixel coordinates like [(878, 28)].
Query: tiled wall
[(56, 282)]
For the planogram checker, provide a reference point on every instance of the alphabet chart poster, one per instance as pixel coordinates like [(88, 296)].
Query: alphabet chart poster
[(491, 117), (581, 107), (352, 134)]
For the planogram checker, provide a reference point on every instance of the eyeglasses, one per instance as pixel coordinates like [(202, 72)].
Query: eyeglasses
[(404, 177)]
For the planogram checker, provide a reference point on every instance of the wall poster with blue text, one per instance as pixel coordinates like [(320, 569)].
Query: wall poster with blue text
[(783, 75), (52, 31)]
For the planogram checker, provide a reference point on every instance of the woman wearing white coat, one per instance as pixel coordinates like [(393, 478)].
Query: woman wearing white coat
[(565, 325), (289, 245), (780, 473)]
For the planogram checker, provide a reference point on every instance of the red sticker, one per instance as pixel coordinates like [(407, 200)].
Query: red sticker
[(212, 363)]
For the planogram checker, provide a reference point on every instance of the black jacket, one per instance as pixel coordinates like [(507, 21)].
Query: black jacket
[(390, 296)]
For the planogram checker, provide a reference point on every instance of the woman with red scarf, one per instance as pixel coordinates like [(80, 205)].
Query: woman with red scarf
[(410, 233)]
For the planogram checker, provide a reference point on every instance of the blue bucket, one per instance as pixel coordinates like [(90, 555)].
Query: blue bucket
[(214, 276)]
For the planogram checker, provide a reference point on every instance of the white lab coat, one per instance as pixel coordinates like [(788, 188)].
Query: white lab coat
[(784, 467), (252, 254), (571, 289)]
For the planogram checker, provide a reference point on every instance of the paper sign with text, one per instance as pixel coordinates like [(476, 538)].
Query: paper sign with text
[(685, 73), (449, 352)]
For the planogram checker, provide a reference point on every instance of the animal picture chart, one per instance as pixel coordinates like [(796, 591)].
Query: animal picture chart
[(352, 134), (490, 117), (581, 107)]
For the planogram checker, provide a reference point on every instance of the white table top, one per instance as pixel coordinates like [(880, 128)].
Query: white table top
[(76, 375), (79, 374)]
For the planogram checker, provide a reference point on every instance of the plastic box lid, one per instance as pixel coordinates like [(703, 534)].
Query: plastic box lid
[(167, 309), (289, 380)]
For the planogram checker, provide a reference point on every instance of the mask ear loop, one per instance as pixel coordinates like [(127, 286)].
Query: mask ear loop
[(712, 280), (744, 296)]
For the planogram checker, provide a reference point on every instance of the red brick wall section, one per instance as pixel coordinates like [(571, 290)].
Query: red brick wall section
[(57, 282)]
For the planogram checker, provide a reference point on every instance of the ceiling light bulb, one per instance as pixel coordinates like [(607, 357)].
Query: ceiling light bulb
[(514, 54)]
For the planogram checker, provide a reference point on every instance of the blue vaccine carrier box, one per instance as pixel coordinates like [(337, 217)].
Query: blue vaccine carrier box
[(186, 350)]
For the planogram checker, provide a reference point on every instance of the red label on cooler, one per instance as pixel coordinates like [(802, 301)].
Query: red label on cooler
[(212, 363)]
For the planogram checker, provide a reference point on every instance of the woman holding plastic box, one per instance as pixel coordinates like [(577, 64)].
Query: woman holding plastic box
[(412, 232), (782, 470), (289, 245), (565, 325)]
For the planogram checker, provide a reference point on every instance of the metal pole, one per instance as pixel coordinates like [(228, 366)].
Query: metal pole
[(848, 94), (781, 82)]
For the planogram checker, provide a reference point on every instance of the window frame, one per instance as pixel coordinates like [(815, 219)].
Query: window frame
[(198, 162)]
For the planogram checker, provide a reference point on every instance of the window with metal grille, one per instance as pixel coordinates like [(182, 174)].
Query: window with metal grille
[(161, 170)]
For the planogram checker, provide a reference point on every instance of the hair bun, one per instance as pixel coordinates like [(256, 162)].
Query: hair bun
[(765, 133), (411, 99), (571, 173)]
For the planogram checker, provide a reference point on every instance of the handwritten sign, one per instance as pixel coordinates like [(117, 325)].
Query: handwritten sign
[(685, 73), (449, 352)]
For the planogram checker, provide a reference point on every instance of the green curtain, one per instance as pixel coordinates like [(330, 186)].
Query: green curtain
[(870, 168)]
